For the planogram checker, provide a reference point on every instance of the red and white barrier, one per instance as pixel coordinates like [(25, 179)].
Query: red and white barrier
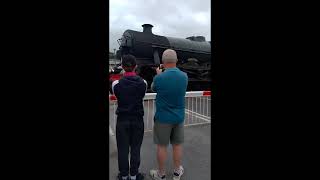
[(153, 95), (197, 109)]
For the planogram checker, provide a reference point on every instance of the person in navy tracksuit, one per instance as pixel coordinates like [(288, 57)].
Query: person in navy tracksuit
[(130, 91)]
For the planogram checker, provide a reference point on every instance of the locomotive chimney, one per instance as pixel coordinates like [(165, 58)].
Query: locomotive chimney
[(147, 28)]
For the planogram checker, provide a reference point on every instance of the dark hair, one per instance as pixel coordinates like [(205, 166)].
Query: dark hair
[(128, 62)]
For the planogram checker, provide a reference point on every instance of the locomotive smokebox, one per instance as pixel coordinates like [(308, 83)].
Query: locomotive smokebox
[(147, 28)]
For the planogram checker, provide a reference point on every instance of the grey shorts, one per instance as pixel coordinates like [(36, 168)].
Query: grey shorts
[(163, 133)]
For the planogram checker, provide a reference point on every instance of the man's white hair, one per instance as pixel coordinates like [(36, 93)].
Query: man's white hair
[(169, 56)]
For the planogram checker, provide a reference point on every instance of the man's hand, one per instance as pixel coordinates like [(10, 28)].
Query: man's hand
[(159, 71)]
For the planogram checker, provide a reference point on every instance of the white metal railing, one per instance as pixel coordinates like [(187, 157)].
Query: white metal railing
[(197, 109)]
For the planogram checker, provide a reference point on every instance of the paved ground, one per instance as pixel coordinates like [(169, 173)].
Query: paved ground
[(196, 155)]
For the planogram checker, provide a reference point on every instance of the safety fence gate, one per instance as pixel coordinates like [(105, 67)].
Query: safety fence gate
[(197, 109)]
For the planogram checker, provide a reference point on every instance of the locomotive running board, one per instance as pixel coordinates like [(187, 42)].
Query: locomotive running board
[(185, 50)]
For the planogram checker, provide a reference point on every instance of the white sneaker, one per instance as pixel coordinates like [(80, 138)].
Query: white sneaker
[(178, 174), (155, 175)]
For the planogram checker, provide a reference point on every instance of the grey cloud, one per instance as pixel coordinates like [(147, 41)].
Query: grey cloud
[(169, 18)]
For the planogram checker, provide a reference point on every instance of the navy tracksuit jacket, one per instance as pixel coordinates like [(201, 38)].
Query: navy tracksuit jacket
[(129, 90)]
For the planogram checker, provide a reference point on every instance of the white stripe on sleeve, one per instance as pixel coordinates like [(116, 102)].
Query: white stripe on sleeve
[(114, 83), (146, 85)]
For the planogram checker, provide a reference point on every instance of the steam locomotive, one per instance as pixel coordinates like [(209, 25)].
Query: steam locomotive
[(194, 56)]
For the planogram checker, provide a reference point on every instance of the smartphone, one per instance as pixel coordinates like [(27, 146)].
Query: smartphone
[(162, 67)]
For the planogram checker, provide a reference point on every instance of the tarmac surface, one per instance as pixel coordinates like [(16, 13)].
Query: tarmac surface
[(196, 158)]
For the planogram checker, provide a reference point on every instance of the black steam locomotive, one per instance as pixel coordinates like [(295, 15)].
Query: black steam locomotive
[(194, 55)]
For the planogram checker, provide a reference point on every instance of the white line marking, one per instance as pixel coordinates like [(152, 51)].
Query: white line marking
[(207, 119), (110, 131), (197, 114), (150, 130), (187, 125), (199, 117)]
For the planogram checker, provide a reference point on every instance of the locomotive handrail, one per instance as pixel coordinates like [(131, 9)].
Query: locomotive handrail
[(177, 49)]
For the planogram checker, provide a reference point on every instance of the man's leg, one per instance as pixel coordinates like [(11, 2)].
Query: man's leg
[(162, 157), (177, 154), (177, 138), (161, 137), (122, 137), (136, 138)]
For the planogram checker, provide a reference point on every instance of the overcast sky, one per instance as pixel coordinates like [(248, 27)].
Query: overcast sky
[(173, 18)]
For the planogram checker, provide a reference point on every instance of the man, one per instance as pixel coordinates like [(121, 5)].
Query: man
[(129, 90), (170, 86)]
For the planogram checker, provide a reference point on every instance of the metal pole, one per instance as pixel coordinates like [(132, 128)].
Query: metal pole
[(196, 108), (148, 109), (207, 105), (200, 105), (187, 99), (114, 116), (192, 110), (153, 111)]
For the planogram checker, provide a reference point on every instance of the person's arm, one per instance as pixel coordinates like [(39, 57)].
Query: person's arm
[(114, 83), (146, 85), (186, 81), (153, 85)]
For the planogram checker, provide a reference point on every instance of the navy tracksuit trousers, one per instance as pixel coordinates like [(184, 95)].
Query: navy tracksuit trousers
[(129, 135)]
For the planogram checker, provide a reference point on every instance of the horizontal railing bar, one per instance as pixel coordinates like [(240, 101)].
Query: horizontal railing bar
[(153, 95)]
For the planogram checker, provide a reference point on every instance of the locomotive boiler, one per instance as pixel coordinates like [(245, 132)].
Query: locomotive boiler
[(194, 55)]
